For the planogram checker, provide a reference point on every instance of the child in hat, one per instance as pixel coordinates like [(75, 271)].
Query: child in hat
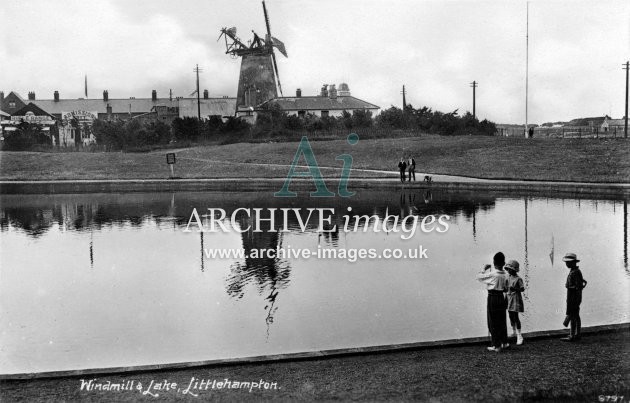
[(575, 284), (515, 300)]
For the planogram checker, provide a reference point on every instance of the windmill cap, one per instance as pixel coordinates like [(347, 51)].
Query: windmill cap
[(570, 257)]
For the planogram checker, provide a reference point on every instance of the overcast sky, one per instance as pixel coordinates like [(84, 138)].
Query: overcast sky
[(435, 48)]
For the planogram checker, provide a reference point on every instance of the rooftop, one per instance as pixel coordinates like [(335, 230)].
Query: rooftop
[(121, 105), (320, 103)]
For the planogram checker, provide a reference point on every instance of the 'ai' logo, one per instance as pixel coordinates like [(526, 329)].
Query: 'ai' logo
[(304, 148)]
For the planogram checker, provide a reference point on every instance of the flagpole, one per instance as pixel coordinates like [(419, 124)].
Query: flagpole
[(526, 71)]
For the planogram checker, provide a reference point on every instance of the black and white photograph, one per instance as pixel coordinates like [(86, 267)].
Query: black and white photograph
[(377, 200)]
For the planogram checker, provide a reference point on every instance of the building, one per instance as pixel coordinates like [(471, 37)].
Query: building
[(85, 111), (594, 122), (29, 113), (221, 107), (329, 103), (4, 118), (612, 125)]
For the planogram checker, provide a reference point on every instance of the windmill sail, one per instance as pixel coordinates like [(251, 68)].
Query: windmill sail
[(278, 44)]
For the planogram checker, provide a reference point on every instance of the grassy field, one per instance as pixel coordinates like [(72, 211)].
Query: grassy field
[(545, 370), (588, 160)]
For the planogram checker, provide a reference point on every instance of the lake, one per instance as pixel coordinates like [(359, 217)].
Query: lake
[(111, 280)]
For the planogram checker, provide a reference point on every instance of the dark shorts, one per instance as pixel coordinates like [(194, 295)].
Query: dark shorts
[(574, 299)]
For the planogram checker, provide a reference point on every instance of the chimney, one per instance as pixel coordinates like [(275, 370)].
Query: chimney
[(31, 95), (298, 93), (324, 92), (154, 95), (1, 97), (333, 92), (56, 96), (205, 94), (344, 90), (105, 96), (109, 111)]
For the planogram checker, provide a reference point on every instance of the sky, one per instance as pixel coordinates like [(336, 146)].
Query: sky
[(434, 48)]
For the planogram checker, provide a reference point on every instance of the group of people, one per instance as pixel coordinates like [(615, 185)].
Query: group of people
[(505, 294), (407, 164)]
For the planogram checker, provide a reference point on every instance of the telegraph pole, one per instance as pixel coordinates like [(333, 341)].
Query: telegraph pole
[(197, 70), (625, 125), (474, 85), (404, 92)]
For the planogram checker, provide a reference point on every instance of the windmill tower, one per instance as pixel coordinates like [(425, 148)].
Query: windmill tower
[(259, 80)]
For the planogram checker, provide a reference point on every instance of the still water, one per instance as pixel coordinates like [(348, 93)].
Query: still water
[(110, 280)]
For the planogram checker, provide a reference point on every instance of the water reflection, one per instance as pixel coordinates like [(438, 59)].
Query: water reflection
[(95, 212), (268, 275), (86, 271)]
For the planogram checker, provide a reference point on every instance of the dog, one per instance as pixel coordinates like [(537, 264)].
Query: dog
[(428, 179)]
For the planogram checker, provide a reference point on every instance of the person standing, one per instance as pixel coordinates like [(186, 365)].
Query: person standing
[(515, 299), (402, 166), (412, 168), (496, 282), (574, 285)]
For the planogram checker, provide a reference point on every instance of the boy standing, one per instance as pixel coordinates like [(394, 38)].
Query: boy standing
[(575, 284), (496, 283)]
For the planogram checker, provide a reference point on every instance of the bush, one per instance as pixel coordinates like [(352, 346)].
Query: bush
[(437, 122), (26, 137), (187, 128), (235, 125), (132, 134)]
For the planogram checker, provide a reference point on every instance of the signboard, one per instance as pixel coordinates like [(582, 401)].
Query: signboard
[(170, 160), (80, 115), (84, 120), (30, 117)]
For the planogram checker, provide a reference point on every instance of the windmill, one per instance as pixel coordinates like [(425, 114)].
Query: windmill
[(259, 80)]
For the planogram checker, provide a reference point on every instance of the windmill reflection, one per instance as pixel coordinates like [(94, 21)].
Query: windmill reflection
[(267, 273)]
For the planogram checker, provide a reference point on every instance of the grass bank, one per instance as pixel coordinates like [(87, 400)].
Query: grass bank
[(542, 369), (584, 160)]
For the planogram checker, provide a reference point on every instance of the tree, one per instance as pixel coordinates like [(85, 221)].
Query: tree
[(361, 118), (25, 137), (187, 128), (391, 118)]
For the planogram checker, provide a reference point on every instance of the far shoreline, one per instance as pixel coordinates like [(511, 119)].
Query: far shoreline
[(305, 185)]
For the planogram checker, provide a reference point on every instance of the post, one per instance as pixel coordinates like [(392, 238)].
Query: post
[(403, 92), (625, 125), (170, 160), (474, 85), (198, 104)]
